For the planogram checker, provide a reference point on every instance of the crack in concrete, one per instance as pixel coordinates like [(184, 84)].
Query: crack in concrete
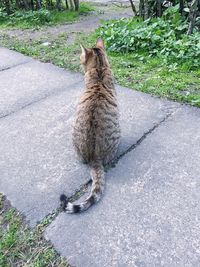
[(83, 188), (59, 91), (139, 141), (132, 147), (47, 220), (14, 66)]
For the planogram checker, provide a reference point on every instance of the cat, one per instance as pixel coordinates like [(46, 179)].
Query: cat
[(96, 130)]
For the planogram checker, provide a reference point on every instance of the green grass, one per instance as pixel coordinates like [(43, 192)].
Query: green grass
[(70, 16), (21, 246), (149, 75), (36, 19)]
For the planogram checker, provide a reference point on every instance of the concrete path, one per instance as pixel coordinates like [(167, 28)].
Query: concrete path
[(150, 212)]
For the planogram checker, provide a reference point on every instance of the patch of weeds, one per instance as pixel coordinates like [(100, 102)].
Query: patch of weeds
[(85, 8), (62, 17), (164, 37), (21, 246), (151, 76), (39, 18)]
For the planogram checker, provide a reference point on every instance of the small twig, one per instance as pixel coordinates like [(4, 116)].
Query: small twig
[(6, 252), (192, 16), (133, 7)]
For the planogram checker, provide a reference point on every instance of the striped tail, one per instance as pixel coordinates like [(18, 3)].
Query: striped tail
[(98, 181)]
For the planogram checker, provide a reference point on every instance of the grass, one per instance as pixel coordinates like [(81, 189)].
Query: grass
[(21, 246), (149, 75), (36, 19), (70, 16)]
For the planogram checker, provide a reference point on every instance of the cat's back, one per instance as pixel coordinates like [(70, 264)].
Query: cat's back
[(96, 127)]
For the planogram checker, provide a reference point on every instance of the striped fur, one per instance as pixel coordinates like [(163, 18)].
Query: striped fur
[(96, 131)]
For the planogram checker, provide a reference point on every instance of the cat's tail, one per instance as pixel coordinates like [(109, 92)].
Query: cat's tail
[(98, 181)]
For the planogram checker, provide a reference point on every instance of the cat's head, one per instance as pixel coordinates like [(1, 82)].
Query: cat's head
[(94, 57)]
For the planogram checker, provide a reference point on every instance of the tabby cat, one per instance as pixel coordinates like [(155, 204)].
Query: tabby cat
[(96, 131)]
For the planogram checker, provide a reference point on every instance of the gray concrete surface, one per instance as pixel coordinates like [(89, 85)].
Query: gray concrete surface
[(10, 59), (37, 159), (149, 215), (139, 113), (30, 83)]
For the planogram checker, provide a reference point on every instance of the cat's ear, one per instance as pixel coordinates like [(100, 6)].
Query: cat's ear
[(84, 54), (83, 49), (100, 43)]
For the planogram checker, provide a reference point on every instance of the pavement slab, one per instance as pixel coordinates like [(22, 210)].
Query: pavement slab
[(28, 83), (149, 215), (37, 160), (139, 113), (9, 58)]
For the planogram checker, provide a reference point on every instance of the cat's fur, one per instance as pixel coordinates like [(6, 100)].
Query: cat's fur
[(96, 131)]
